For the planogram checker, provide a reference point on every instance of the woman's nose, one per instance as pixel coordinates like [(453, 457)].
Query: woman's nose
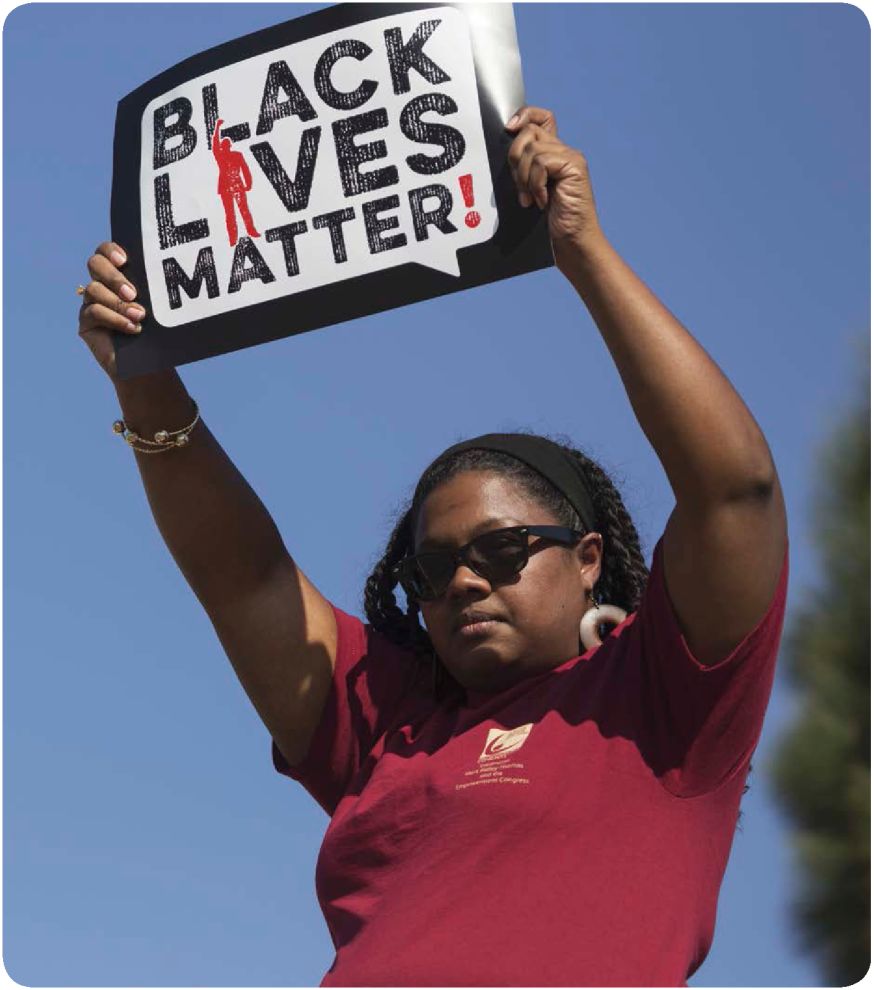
[(465, 580)]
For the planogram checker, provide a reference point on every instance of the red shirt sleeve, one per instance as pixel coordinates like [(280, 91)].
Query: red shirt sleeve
[(704, 722), (371, 678)]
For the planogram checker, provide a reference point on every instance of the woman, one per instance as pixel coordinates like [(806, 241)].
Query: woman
[(513, 802)]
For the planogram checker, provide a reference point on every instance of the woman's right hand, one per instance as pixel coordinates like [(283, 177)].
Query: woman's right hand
[(108, 305)]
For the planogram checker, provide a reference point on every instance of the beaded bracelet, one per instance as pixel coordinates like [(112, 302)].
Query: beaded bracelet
[(164, 439)]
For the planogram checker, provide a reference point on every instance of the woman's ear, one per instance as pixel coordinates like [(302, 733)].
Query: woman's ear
[(589, 554)]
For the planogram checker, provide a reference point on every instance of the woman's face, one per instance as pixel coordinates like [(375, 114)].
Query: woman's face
[(535, 615)]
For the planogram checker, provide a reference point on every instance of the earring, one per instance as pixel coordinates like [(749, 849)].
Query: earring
[(596, 616)]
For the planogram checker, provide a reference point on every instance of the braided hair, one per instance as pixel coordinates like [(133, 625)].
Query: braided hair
[(623, 571), (623, 575)]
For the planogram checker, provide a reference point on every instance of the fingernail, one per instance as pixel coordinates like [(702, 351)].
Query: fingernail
[(117, 258), (513, 120), (126, 292), (138, 329), (130, 327), (135, 312), (524, 199)]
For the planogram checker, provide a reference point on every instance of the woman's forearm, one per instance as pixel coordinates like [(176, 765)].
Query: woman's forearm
[(215, 526), (710, 446)]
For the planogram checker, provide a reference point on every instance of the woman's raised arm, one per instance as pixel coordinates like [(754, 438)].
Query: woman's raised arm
[(276, 628), (725, 542)]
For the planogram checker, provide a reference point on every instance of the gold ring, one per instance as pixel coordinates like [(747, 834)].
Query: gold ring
[(80, 290)]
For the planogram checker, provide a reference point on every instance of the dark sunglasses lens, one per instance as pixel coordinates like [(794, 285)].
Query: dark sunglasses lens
[(426, 577), (434, 571), (498, 556)]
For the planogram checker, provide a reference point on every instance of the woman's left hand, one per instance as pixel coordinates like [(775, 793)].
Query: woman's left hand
[(554, 177)]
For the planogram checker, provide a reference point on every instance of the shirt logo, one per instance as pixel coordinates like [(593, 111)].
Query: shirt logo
[(502, 741)]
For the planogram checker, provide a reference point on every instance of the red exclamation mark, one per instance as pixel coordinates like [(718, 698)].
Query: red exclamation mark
[(466, 182)]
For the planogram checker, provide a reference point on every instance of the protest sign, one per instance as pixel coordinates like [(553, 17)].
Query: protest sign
[(333, 166)]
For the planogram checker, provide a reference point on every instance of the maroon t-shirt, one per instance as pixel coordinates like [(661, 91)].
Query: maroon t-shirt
[(572, 830)]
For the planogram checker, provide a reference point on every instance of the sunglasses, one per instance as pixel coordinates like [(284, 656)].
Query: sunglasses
[(495, 556)]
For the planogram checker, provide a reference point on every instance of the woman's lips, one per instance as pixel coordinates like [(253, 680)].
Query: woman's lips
[(480, 628)]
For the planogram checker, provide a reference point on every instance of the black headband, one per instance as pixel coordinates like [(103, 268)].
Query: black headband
[(547, 458)]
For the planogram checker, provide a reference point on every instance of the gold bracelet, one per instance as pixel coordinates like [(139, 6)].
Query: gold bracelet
[(164, 439)]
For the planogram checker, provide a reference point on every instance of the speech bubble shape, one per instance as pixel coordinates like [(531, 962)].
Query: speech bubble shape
[(338, 156), (329, 167)]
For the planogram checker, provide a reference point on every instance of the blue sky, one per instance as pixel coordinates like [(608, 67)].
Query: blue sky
[(148, 840)]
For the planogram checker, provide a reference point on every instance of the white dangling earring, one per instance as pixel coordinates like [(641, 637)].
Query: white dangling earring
[(596, 616)]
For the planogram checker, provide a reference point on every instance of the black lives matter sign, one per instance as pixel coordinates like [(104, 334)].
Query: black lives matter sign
[(331, 167)]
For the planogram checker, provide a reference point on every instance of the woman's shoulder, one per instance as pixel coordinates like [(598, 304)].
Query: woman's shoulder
[(376, 665)]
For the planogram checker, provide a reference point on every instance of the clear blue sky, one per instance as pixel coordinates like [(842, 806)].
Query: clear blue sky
[(148, 840)]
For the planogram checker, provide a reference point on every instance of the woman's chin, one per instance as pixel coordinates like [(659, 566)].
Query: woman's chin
[(482, 667)]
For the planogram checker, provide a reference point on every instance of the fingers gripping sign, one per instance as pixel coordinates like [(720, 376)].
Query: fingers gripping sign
[(552, 176), (108, 305)]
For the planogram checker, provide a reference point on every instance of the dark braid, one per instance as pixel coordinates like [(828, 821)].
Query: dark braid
[(380, 604), (624, 573)]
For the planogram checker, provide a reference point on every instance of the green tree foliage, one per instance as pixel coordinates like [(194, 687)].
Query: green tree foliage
[(822, 770)]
